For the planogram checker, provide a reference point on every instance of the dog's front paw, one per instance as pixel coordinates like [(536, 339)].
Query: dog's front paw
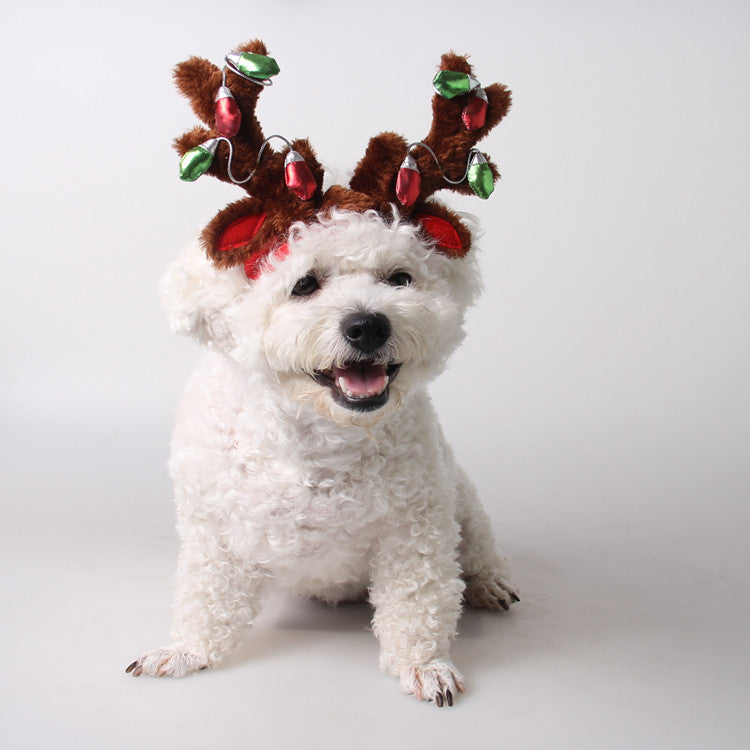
[(437, 681), (171, 661), (490, 591)]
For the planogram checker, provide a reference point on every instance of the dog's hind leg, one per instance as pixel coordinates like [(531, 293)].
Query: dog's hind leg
[(217, 599), (484, 569)]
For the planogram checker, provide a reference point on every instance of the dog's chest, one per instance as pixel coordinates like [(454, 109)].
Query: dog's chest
[(313, 504)]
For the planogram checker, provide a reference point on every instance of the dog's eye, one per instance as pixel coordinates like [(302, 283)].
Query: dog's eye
[(306, 286), (401, 278)]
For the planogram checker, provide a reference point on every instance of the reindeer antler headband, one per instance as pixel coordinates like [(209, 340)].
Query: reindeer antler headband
[(287, 187)]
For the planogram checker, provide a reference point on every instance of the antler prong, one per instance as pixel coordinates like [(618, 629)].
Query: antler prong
[(198, 79)]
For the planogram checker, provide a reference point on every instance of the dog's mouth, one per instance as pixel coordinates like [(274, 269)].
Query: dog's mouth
[(360, 386)]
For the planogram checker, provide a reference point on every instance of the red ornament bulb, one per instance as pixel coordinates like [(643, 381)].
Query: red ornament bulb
[(408, 181), (227, 113), (298, 177), (475, 112)]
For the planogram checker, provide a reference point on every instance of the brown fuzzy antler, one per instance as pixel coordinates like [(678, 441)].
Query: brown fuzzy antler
[(199, 80), (246, 155), (449, 139)]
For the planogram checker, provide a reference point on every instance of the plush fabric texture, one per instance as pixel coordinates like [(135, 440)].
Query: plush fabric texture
[(282, 481)]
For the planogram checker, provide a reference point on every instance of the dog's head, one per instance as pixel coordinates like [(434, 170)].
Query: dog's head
[(347, 298), (349, 315)]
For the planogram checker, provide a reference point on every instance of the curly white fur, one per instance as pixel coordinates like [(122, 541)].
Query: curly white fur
[(279, 484)]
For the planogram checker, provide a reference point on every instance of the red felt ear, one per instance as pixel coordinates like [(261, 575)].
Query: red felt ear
[(443, 232), (239, 232)]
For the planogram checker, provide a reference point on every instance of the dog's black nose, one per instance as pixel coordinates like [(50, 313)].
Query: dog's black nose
[(366, 331)]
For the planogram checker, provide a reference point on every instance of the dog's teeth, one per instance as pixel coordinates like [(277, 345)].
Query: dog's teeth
[(343, 387)]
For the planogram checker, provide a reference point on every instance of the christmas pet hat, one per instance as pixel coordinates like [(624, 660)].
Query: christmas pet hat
[(285, 187)]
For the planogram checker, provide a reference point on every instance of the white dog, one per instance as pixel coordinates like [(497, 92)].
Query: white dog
[(307, 455)]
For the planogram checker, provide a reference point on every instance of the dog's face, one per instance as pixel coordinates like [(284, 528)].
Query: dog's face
[(357, 313)]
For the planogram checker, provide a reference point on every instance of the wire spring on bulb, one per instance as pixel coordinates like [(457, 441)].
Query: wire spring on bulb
[(257, 163)]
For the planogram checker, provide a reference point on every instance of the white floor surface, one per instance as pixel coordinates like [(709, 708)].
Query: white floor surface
[(628, 635)]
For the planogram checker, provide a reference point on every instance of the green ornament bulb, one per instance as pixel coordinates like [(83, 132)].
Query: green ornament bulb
[(197, 161), (479, 175), (255, 67), (449, 83)]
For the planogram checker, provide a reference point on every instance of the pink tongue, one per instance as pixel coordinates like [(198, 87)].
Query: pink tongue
[(362, 380)]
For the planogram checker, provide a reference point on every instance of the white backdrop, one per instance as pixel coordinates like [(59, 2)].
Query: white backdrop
[(600, 401)]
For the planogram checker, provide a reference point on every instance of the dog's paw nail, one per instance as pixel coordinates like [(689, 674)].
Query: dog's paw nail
[(131, 667), (168, 661), (436, 682), (514, 597)]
